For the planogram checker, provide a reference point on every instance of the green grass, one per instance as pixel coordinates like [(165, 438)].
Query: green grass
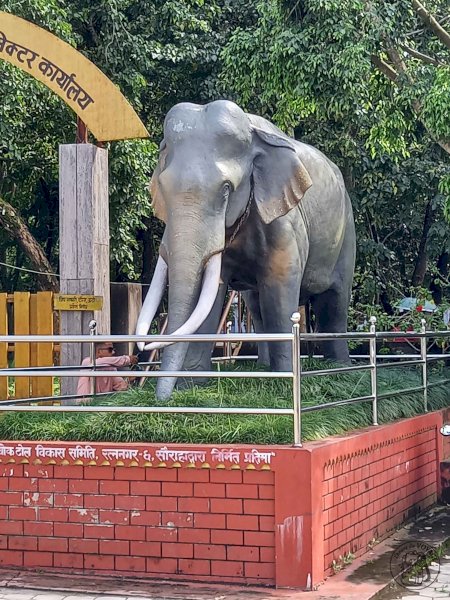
[(226, 429)]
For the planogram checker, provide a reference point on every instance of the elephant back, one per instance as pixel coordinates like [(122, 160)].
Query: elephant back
[(263, 125)]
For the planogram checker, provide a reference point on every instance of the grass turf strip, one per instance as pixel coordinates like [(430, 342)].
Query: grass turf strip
[(228, 429)]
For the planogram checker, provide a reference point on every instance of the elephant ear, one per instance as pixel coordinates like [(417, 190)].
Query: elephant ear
[(280, 178), (158, 204)]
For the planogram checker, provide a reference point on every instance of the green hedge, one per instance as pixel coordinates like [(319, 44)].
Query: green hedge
[(225, 429)]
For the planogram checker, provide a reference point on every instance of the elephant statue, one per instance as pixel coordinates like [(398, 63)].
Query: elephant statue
[(247, 208)]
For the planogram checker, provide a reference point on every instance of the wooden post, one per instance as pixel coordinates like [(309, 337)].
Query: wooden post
[(3, 347), (22, 349), (84, 243)]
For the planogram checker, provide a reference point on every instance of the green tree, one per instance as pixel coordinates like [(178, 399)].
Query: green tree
[(367, 82), (158, 53), (32, 123), (323, 59)]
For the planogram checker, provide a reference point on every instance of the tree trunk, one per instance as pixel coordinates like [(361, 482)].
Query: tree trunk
[(436, 288), (394, 76), (51, 217), (15, 226), (421, 262), (385, 302), (432, 23), (148, 253), (376, 263)]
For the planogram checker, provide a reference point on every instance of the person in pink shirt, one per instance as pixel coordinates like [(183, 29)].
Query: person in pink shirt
[(105, 361)]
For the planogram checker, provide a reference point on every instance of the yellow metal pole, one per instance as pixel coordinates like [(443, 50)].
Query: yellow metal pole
[(3, 346)]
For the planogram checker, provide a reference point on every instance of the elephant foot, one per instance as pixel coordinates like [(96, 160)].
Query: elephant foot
[(186, 383), (164, 388), (263, 362), (342, 357)]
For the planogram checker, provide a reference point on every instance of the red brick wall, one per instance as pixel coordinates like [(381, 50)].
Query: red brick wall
[(370, 491), (252, 516), (201, 523)]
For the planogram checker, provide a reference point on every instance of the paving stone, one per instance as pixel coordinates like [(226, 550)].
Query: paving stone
[(442, 589), (16, 592), (29, 594), (80, 597), (428, 592), (47, 596), (109, 597), (444, 575)]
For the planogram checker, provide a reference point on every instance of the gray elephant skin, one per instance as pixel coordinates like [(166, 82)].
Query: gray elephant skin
[(270, 212)]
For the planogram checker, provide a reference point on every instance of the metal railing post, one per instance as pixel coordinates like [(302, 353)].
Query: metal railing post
[(296, 379), (423, 356), (373, 369), (93, 332), (227, 345)]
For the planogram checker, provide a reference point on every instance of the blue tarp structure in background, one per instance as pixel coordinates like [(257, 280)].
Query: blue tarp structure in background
[(411, 303)]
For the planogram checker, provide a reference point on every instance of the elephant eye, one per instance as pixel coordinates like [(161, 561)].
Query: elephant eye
[(162, 159), (226, 189)]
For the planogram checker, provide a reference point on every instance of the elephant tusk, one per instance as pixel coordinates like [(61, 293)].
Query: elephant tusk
[(152, 300), (208, 294)]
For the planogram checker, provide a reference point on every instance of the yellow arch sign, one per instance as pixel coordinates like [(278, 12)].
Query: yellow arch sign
[(94, 98)]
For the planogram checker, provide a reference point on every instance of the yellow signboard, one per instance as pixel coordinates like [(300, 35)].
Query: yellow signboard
[(82, 86), (77, 302)]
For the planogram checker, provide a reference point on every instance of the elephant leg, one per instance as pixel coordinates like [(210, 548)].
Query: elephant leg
[(252, 301), (331, 309), (198, 357), (278, 302)]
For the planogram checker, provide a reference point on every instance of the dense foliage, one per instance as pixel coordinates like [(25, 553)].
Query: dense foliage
[(158, 53), (367, 82)]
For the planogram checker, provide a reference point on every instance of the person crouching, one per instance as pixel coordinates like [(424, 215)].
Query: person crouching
[(105, 361)]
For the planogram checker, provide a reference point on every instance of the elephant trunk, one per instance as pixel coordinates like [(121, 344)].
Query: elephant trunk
[(208, 293), (193, 288)]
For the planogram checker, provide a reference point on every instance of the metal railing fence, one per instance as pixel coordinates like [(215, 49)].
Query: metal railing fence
[(295, 338)]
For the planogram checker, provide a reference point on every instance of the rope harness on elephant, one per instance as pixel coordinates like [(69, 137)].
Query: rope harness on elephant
[(244, 215)]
